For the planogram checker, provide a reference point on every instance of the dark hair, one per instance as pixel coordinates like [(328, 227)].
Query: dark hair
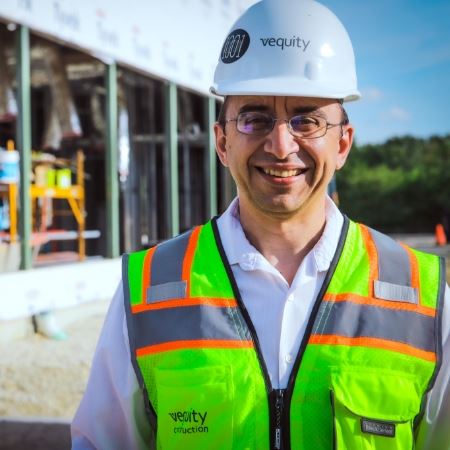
[(345, 119)]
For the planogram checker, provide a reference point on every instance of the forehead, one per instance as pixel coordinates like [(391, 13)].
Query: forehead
[(236, 102)]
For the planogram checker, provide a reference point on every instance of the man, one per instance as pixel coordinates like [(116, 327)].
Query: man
[(281, 324)]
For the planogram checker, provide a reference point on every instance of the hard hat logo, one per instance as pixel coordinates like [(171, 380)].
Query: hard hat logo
[(285, 42), (235, 46)]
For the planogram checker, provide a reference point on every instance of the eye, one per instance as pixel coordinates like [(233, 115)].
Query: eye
[(254, 122), (306, 124)]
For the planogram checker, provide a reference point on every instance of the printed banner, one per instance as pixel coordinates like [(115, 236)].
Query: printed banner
[(178, 40)]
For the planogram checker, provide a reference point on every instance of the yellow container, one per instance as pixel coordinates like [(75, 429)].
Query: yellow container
[(51, 177), (63, 178), (40, 175)]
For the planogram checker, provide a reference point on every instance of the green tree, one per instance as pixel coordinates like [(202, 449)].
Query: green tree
[(402, 185)]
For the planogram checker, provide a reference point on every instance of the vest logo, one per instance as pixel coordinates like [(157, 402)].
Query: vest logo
[(282, 43), (377, 427), (189, 422), (235, 46)]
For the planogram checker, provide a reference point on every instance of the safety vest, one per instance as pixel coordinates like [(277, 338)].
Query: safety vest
[(370, 353)]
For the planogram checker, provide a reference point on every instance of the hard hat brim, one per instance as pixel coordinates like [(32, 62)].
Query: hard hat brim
[(283, 86)]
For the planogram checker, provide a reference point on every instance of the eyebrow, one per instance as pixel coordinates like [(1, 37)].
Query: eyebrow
[(306, 109), (254, 107), (259, 107)]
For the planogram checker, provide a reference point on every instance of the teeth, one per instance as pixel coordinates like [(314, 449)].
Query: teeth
[(282, 173)]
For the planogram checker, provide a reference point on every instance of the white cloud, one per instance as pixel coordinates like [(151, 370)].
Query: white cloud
[(397, 113), (372, 94)]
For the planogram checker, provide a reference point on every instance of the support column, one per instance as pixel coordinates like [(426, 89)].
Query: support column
[(172, 152), (210, 158), (112, 184), (24, 141)]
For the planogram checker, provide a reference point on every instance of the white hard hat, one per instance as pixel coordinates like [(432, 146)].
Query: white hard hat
[(287, 47)]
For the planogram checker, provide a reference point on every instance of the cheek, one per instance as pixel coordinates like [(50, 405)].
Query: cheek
[(230, 160), (329, 155), (325, 160), (314, 156)]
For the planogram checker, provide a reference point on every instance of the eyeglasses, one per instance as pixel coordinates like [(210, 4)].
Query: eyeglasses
[(305, 126)]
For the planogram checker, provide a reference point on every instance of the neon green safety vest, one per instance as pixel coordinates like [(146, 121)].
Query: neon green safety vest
[(370, 354)]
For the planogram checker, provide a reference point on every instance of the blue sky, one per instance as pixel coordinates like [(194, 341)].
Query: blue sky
[(402, 50)]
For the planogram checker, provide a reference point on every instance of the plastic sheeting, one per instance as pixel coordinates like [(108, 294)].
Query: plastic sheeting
[(63, 121)]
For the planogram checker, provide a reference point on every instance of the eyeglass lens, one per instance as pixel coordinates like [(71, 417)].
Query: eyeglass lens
[(262, 123)]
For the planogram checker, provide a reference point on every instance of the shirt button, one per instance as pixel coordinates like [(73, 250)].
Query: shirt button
[(288, 358), (290, 298)]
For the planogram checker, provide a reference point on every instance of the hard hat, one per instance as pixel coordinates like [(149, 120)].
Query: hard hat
[(287, 47)]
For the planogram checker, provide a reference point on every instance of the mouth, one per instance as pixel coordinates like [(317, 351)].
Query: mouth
[(282, 173)]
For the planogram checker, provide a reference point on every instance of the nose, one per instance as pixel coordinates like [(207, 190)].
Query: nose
[(280, 142)]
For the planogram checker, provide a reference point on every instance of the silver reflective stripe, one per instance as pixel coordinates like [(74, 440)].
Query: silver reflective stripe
[(393, 260), (191, 323), (395, 293), (394, 271), (166, 291), (167, 261), (354, 320)]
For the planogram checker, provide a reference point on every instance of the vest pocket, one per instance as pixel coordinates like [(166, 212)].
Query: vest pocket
[(374, 410), (194, 408)]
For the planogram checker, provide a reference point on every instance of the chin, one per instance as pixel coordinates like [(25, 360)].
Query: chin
[(280, 207)]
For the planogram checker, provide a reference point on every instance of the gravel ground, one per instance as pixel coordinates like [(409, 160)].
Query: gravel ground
[(40, 377)]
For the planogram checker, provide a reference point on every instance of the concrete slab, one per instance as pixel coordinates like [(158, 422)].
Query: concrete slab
[(23, 327), (36, 434)]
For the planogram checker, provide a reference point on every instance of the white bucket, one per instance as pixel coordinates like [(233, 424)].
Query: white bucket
[(9, 166)]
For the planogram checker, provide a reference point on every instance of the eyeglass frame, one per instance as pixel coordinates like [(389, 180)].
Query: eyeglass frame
[(344, 121)]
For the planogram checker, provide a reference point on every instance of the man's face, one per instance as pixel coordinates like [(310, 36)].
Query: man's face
[(280, 174)]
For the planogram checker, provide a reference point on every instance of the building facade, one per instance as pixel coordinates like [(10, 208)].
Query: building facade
[(107, 107)]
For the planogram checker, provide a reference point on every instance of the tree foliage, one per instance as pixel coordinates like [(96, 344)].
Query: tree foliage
[(402, 185)]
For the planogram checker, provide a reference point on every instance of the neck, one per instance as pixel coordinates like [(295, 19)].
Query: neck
[(284, 242)]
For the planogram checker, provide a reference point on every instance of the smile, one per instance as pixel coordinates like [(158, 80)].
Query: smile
[(283, 173)]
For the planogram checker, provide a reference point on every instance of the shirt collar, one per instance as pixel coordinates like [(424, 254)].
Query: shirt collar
[(240, 251), (236, 245), (325, 248)]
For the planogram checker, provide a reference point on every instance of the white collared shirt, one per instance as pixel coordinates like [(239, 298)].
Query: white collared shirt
[(279, 312), (111, 414)]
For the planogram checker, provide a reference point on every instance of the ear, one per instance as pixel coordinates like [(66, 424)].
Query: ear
[(345, 144), (221, 143)]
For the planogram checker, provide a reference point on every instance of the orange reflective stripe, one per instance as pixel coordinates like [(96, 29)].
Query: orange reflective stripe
[(202, 343), (146, 269), (182, 302), (373, 256), (415, 278), (372, 301), (374, 343), (189, 257)]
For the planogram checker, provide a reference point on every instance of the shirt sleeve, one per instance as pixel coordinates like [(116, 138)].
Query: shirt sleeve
[(111, 413), (434, 430)]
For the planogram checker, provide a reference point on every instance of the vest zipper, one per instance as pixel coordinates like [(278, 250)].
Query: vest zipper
[(271, 393), (309, 327), (278, 409), (279, 399)]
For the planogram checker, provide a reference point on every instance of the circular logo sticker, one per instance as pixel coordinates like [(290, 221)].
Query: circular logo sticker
[(235, 46)]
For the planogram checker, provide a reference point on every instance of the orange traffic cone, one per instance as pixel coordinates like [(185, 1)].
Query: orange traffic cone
[(441, 239)]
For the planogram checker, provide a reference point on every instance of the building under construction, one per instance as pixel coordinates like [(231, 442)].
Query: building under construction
[(106, 140)]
